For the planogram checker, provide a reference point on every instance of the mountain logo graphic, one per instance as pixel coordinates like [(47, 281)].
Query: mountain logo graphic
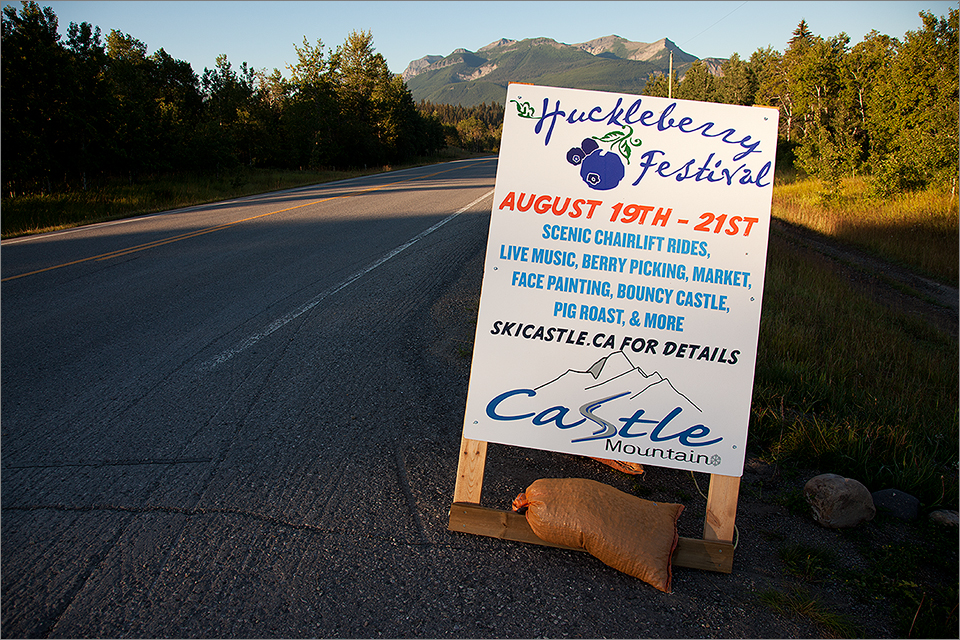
[(622, 400), (616, 384)]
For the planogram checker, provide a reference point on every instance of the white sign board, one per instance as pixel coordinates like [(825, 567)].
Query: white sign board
[(622, 286)]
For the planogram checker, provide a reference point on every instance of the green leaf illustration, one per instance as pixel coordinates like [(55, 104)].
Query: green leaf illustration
[(612, 136), (620, 139), (525, 110)]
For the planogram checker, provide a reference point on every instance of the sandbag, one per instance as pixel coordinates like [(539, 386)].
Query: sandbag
[(630, 534)]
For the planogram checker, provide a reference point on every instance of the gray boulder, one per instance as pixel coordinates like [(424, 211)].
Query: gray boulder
[(946, 517), (897, 503), (838, 502)]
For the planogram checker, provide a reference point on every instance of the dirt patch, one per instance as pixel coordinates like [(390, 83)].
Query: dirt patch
[(891, 285)]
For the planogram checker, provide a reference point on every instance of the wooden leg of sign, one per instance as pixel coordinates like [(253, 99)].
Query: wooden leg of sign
[(721, 508), (713, 553), (473, 458)]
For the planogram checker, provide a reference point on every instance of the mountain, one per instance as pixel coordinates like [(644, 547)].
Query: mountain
[(610, 63), (614, 388)]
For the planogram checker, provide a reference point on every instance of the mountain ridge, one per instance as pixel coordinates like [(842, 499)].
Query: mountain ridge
[(608, 63)]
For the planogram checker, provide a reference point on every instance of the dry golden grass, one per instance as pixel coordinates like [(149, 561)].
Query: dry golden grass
[(917, 230)]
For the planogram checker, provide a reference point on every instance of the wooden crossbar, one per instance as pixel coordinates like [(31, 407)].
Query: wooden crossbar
[(466, 517), (713, 553)]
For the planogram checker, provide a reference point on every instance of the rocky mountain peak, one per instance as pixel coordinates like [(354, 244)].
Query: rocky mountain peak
[(467, 77), (502, 42)]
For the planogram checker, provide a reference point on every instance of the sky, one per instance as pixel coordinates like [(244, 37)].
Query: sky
[(263, 34)]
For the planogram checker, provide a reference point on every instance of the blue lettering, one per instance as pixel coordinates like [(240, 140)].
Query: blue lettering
[(662, 124), (696, 431), (632, 109), (648, 159), (691, 436), (493, 404), (615, 113), (545, 417), (553, 119), (619, 117), (632, 420)]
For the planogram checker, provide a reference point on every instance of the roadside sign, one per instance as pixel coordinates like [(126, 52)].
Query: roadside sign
[(623, 279)]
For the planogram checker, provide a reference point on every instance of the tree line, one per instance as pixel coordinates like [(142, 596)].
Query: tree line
[(89, 106), (93, 106), (883, 108), (476, 128)]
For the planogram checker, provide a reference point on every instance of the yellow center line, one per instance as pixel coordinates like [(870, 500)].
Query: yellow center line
[(192, 234)]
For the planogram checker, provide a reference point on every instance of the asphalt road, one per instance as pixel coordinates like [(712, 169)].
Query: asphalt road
[(243, 419)]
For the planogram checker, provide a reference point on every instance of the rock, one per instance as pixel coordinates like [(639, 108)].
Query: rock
[(897, 503), (946, 517), (838, 502)]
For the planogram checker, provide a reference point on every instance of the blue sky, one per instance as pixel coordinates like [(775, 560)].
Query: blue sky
[(263, 34)]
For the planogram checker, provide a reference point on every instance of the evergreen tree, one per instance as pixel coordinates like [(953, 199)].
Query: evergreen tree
[(228, 99), (737, 83), (697, 84), (357, 72), (658, 85), (92, 140), (77, 109), (311, 116), (176, 93)]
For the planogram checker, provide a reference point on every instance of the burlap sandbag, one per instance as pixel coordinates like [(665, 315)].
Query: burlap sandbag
[(628, 533)]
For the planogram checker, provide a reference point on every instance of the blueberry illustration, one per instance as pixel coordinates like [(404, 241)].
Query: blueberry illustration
[(602, 170), (589, 145), (575, 155)]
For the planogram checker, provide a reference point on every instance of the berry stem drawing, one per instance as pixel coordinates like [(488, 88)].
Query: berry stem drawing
[(622, 140)]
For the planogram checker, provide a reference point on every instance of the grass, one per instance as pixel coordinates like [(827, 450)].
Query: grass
[(116, 198), (800, 603), (848, 386), (843, 383), (893, 577), (918, 230), (809, 563)]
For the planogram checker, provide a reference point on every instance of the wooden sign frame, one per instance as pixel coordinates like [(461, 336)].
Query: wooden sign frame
[(713, 553)]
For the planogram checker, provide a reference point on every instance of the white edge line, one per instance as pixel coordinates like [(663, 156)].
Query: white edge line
[(279, 323)]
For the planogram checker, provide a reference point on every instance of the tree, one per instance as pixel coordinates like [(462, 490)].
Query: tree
[(697, 84), (801, 34), (397, 128), (827, 139), (35, 86), (913, 116), (228, 99), (357, 71), (135, 116), (657, 85), (737, 83), (311, 115), (176, 94), (868, 61), (92, 139)]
